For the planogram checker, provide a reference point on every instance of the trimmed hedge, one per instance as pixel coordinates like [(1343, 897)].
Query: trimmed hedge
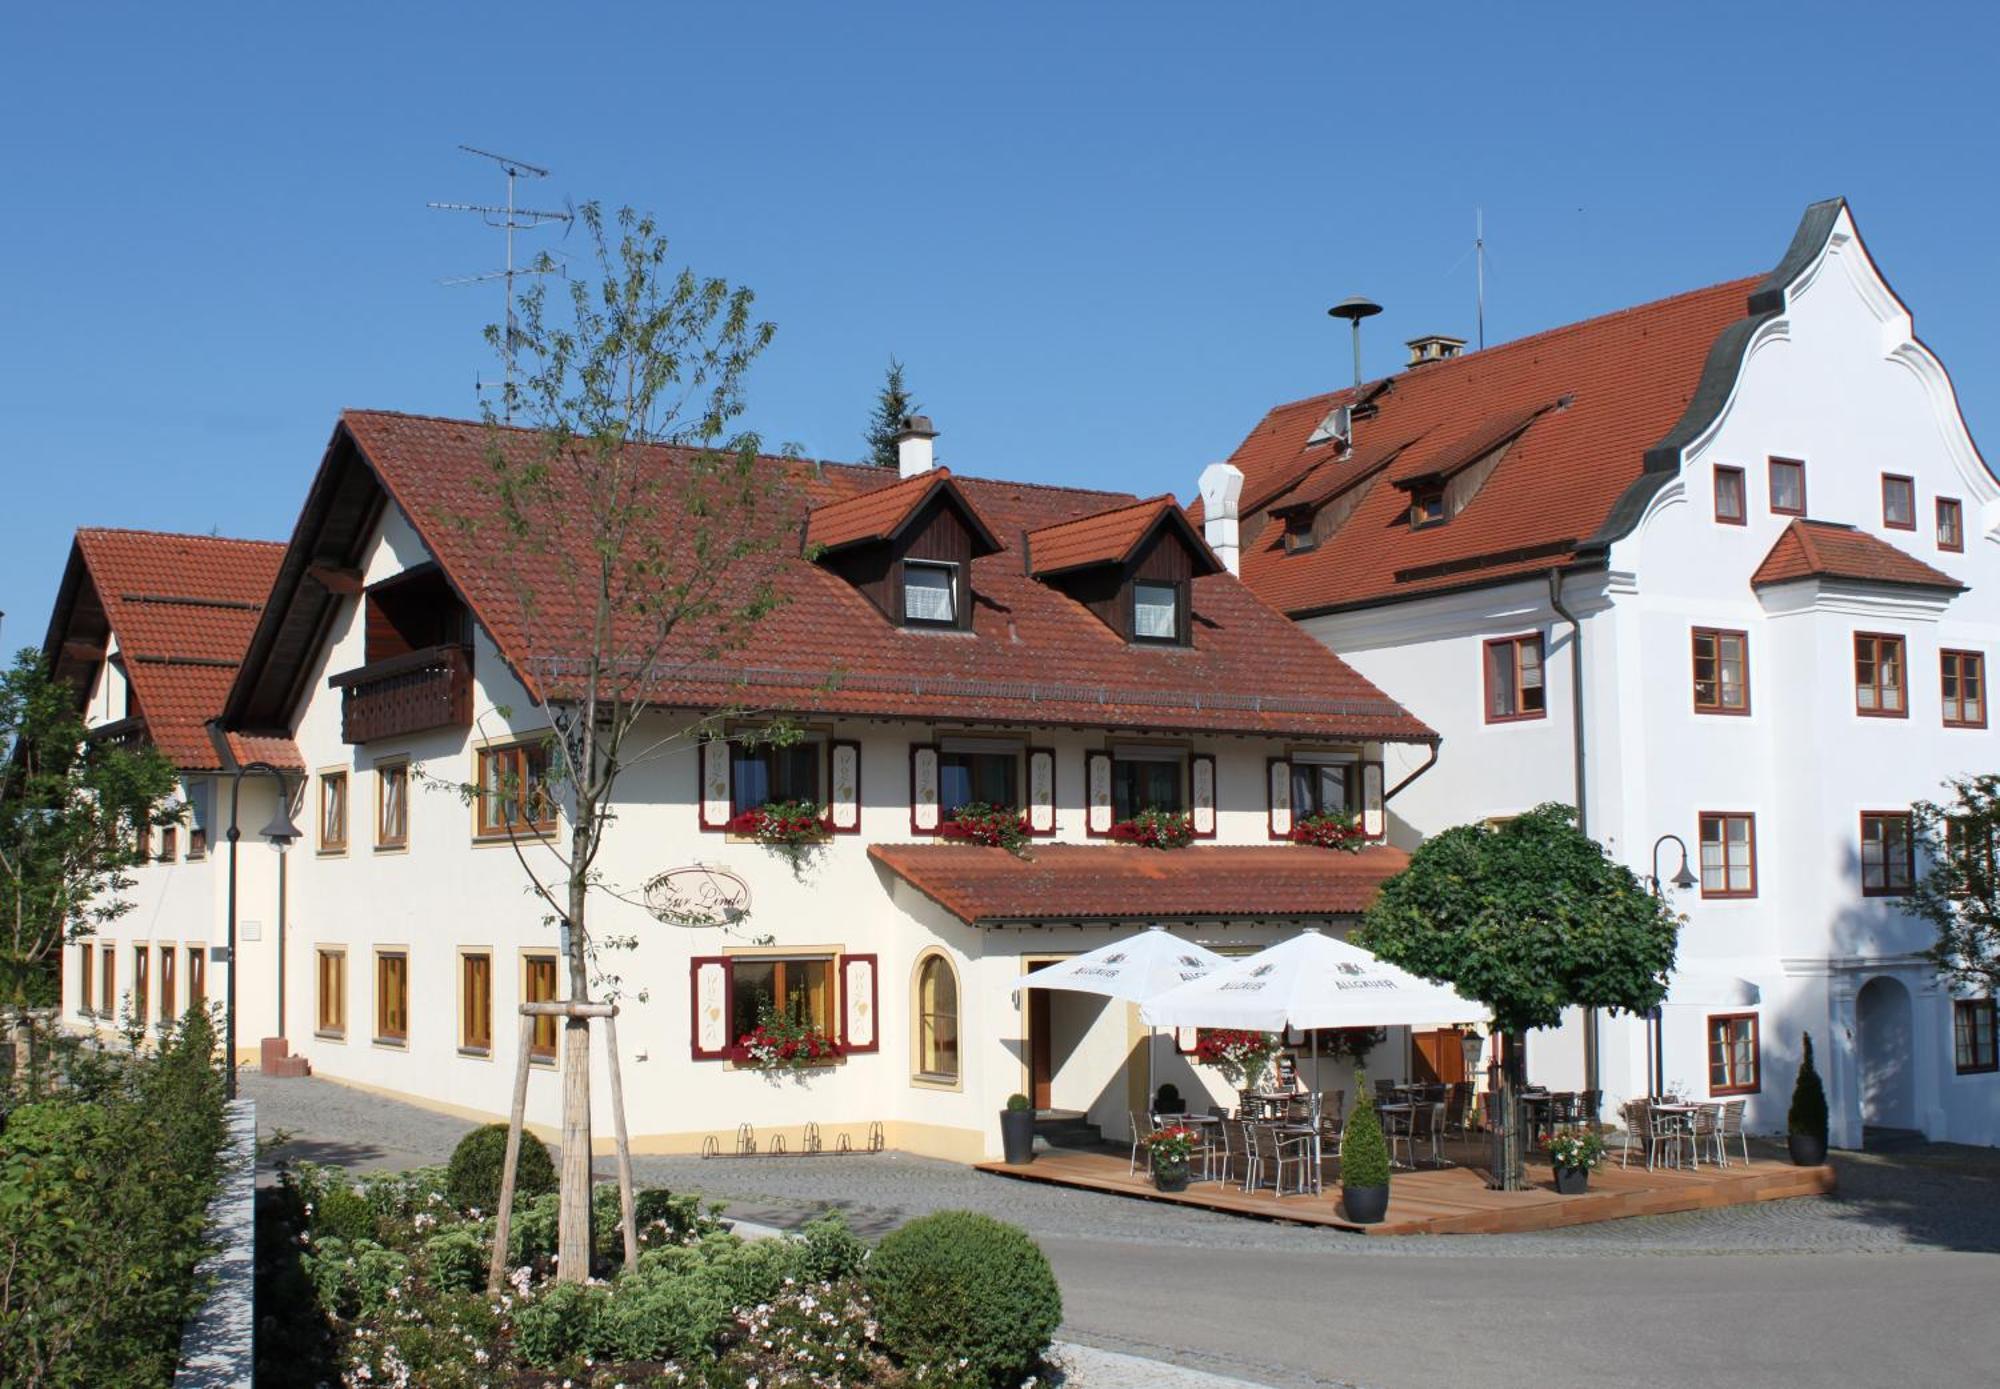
[(473, 1178), (962, 1286)]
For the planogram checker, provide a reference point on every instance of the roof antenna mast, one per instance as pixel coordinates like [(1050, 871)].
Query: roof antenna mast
[(1479, 259), (1354, 309), (508, 219)]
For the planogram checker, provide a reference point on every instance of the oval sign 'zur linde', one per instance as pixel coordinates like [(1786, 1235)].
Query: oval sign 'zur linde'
[(698, 895)]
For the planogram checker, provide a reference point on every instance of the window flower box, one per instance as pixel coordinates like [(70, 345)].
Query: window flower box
[(979, 823), (784, 1041), (1331, 829), (787, 824), (1156, 829)]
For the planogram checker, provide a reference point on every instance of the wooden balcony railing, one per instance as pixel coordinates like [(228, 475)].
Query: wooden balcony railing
[(410, 693)]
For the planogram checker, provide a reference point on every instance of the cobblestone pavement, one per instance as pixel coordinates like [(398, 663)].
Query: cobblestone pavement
[(1889, 1281)]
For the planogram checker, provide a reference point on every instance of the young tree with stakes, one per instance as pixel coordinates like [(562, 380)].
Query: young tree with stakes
[(640, 529), (71, 809), (892, 403), (1529, 919), (1960, 892)]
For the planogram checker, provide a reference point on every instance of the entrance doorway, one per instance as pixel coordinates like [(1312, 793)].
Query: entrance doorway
[(1041, 1061), (1438, 1058), (1885, 1054)]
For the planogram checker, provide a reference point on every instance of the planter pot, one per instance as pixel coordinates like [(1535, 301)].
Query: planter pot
[(1017, 1135), (1808, 1149), (1170, 1176), (1365, 1205), (1572, 1181)]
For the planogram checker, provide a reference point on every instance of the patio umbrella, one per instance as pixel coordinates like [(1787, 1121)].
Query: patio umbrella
[(1135, 969), (1309, 982)]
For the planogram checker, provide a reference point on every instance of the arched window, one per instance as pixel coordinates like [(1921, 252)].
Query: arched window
[(936, 1012)]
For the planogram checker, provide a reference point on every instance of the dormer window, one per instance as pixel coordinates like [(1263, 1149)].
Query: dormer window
[(1427, 508), (1156, 611), (930, 594)]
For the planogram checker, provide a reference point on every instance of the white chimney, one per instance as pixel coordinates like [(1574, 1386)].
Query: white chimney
[(1221, 493), (913, 445)]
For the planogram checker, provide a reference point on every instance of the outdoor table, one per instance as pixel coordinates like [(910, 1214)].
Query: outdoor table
[(1689, 1108)]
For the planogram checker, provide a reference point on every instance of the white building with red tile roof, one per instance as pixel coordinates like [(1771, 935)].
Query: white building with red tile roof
[(1719, 567)]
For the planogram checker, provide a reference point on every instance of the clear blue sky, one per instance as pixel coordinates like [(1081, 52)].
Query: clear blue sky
[(1102, 237)]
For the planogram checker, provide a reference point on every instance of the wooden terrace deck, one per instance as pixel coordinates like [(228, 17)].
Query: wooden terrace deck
[(1455, 1200)]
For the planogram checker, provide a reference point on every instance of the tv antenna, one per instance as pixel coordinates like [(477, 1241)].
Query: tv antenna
[(1479, 258), (508, 219)]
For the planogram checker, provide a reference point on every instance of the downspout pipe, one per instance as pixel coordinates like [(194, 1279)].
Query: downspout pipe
[(1590, 1058)]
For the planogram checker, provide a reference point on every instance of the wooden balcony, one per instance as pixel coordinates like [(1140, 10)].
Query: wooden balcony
[(410, 693)]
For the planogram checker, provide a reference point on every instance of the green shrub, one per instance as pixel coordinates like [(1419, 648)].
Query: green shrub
[(1808, 1113), (662, 1314), (961, 1286), (1018, 1101), (473, 1178), (330, 1267), (342, 1213), (558, 1324), (829, 1251), (532, 1235), (1364, 1156), (455, 1259), (378, 1274)]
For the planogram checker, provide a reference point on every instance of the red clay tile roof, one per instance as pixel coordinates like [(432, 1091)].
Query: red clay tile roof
[(1089, 882), (1628, 378), (183, 608), (1037, 656), (1825, 549), (1105, 537), (878, 515)]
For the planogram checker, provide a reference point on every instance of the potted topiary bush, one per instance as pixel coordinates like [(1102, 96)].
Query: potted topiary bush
[(1364, 1160), (1169, 1100), (1572, 1153), (1806, 1124), (1017, 1130)]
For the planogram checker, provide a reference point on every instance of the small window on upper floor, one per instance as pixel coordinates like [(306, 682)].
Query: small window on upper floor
[(1148, 778), (1879, 686), (1427, 508), (1950, 524), (1729, 496), (1156, 611), (1899, 502), (930, 594), (1721, 671), (1788, 487), (1963, 679), (1514, 687), (1888, 854)]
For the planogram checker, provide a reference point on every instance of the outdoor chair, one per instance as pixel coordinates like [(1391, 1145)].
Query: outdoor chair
[(1332, 1108), (1396, 1127), (1458, 1109), (1279, 1155), (1238, 1160), (1421, 1127), (1638, 1117), (1142, 1129), (1588, 1105), (1674, 1134), (1385, 1091), (1729, 1129)]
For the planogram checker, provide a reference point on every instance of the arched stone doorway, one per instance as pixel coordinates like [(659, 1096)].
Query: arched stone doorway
[(1885, 1054)]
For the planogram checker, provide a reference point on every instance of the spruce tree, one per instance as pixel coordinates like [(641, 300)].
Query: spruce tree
[(892, 403)]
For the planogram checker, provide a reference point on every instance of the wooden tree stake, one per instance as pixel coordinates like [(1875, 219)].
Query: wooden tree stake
[(625, 1215), (503, 1219)]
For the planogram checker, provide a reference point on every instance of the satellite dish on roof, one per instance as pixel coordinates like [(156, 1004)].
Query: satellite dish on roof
[(1354, 308)]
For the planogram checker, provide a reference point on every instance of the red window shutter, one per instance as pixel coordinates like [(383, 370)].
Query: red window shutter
[(1278, 786), (843, 798), (1097, 809), (1202, 807), (860, 999), (714, 769), (709, 1036)]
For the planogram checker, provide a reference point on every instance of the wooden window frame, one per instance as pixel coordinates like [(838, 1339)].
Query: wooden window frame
[(1181, 590), (1909, 854), (956, 573), (1731, 471), (197, 975), (467, 1046), (533, 826), (1955, 508), (1717, 635), (1736, 1085), (107, 979), (735, 1027), (167, 976), (142, 980), (384, 772), (1977, 660), (1902, 669), (326, 779), (919, 1019), (336, 956), (1726, 893), (1176, 754), (1018, 755), (170, 844), (379, 1033), (86, 979), (1772, 465), (546, 1054), (1910, 485), (197, 843), (1420, 519), (1966, 1007), (816, 738), (142, 841), (1486, 676)]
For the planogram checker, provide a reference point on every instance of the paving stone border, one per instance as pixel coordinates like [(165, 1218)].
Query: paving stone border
[(218, 1344)]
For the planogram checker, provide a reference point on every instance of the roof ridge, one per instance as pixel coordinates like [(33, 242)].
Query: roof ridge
[(1045, 486), (1163, 499), (1803, 532), (1432, 370), (179, 535), (530, 429)]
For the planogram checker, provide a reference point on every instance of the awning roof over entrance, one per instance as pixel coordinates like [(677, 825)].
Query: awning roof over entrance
[(1116, 882)]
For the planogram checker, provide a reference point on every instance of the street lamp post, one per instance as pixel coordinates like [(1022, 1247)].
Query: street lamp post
[(279, 833), (1656, 1041)]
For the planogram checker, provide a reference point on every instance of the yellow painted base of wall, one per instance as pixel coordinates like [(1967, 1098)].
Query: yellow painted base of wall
[(923, 1140)]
